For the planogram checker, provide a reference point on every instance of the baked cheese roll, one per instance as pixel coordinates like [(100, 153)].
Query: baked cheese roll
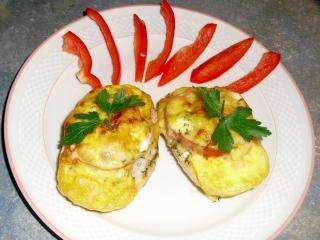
[(188, 130), (104, 168)]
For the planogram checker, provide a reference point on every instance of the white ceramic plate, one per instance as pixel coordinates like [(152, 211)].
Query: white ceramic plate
[(169, 206)]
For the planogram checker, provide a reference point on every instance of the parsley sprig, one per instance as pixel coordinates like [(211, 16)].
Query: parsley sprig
[(236, 121), (77, 131)]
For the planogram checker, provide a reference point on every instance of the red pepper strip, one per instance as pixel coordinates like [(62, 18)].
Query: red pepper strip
[(95, 16), (220, 63), (140, 46), (187, 55), (155, 67), (267, 63), (74, 45)]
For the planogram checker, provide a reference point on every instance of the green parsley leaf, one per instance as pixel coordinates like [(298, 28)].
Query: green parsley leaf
[(211, 101), (238, 122), (77, 131), (87, 116), (134, 101), (120, 103), (222, 136), (247, 128), (103, 101)]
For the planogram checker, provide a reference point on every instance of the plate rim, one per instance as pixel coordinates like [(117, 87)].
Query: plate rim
[(25, 64)]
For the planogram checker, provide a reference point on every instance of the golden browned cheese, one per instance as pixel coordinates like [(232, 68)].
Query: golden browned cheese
[(105, 171), (182, 114)]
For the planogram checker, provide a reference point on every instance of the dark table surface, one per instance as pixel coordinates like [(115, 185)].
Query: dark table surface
[(289, 27)]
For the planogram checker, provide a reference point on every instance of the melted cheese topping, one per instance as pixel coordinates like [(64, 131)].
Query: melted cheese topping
[(222, 176)]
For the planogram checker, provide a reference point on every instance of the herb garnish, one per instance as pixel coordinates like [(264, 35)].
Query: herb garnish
[(77, 131), (236, 121)]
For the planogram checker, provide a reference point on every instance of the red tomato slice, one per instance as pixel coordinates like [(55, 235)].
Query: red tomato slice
[(267, 63), (155, 67), (220, 63), (187, 55), (207, 151), (95, 16), (140, 46), (74, 45)]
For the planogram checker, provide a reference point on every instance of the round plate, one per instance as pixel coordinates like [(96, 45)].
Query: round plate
[(46, 90)]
